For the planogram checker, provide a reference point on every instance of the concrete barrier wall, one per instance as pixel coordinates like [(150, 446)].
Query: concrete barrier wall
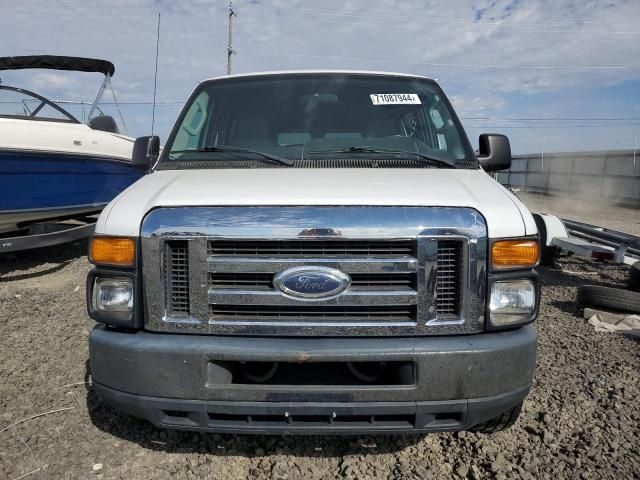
[(608, 175)]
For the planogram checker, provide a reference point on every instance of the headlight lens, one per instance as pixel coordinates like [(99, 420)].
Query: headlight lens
[(511, 302), (113, 294)]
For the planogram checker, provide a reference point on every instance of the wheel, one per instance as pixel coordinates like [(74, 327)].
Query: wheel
[(501, 422), (546, 253), (609, 298), (634, 277)]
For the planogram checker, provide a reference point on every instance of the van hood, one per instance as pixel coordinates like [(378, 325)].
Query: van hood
[(505, 215)]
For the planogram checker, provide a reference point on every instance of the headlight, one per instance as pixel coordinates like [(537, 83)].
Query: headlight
[(511, 302), (113, 294)]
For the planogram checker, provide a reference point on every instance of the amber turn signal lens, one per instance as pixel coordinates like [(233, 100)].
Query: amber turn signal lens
[(514, 253), (112, 251)]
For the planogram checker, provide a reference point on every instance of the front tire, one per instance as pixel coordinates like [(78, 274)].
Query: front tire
[(615, 299), (501, 422)]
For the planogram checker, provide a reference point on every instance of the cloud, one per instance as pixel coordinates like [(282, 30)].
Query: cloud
[(481, 52), (51, 80)]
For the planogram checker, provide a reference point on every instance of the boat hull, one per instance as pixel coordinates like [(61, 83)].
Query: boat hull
[(40, 185)]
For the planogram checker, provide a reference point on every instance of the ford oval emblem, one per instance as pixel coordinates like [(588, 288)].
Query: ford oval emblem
[(312, 283)]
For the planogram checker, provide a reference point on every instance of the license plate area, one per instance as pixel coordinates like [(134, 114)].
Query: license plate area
[(325, 374)]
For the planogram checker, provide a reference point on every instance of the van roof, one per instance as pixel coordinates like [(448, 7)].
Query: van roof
[(349, 72)]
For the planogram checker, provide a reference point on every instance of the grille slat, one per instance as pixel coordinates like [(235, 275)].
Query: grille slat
[(310, 248), (308, 312), (177, 274), (358, 281), (448, 278)]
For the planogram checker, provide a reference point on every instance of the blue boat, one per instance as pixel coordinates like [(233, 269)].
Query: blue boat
[(53, 166)]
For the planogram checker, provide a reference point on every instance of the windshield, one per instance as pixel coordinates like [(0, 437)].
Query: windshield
[(20, 103), (314, 116)]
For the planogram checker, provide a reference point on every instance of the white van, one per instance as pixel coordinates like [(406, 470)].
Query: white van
[(316, 252)]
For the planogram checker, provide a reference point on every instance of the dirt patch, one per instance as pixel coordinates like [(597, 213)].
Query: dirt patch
[(581, 419)]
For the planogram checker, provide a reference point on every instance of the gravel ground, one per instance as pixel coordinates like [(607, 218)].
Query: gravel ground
[(593, 211), (581, 419)]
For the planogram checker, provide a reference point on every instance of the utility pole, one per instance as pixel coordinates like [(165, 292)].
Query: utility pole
[(155, 78), (230, 50)]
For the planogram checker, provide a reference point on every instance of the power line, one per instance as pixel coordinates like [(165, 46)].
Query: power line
[(536, 127), (505, 119), (158, 104), (553, 119), (81, 102)]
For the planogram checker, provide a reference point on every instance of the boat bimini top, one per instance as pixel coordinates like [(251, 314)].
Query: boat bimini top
[(56, 62)]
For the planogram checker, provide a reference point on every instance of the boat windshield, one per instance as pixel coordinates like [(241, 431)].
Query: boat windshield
[(322, 115), (23, 104)]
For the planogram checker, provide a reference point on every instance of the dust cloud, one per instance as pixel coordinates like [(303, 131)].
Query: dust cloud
[(595, 211)]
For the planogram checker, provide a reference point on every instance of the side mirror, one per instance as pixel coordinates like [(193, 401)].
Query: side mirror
[(104, 123), (145, 152), (494, 152)]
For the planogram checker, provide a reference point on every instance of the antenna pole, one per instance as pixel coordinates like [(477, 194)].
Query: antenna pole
[(155, 79), (230, 50)]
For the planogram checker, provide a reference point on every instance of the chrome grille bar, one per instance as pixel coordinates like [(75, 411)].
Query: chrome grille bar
[(265, 264), (358, 280), (255, 314), (274, 297), (311, 247)]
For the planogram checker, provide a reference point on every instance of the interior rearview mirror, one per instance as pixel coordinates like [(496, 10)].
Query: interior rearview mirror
[(145, 152), (494, 152)]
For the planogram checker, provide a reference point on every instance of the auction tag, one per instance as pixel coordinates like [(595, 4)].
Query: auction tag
[(395, 99)]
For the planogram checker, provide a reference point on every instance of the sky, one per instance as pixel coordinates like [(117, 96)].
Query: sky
[(553, 75)]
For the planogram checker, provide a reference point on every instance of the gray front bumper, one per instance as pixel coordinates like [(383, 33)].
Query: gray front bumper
[(460, 381)]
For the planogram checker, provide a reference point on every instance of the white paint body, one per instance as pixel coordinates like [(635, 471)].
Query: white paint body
[(62, 137), (506, 216)]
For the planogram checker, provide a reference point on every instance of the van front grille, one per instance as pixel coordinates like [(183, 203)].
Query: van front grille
[(407, 271)]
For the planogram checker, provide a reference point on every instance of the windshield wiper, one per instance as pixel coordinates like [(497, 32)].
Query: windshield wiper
[(225, 148), (369, 149)]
